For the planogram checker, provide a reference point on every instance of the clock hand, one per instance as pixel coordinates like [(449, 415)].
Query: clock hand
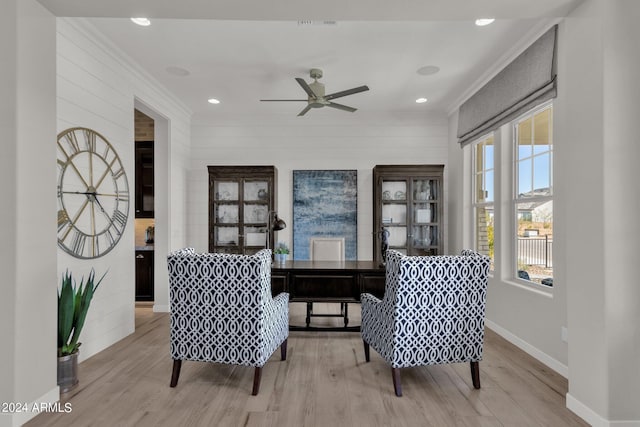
[(86, 193), (100, 206)]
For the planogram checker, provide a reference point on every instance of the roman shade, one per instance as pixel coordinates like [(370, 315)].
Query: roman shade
[(529, 80)]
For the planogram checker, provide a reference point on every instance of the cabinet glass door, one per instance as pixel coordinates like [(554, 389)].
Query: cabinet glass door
[(256, 215), (425, 229), (394, 213), (227, 214)]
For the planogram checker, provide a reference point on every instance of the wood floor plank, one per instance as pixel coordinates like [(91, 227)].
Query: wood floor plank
[(324, 382)]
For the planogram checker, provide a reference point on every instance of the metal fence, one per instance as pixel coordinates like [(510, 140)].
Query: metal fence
[(536, 251)]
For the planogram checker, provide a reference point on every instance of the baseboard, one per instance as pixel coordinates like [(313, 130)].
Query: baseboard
[(529, 349), (587, 414), (160, 308), (46, 403)]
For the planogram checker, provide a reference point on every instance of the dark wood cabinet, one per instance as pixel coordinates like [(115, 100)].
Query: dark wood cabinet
[(144, 191), (242, 200), (144, 275), (408, 209)]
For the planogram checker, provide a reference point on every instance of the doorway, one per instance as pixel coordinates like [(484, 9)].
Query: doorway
[(144, 208)]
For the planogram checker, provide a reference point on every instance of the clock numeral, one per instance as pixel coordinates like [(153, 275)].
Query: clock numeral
[(90, 140), (119, 218), (78, 242), (111, 239), (118, 174), (63, 218), (122, 196), (95, 246), (72, 141)]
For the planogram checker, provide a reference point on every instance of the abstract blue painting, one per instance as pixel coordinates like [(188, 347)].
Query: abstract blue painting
[(325, 204)]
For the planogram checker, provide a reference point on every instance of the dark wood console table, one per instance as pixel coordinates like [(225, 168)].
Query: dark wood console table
[(327, 281)]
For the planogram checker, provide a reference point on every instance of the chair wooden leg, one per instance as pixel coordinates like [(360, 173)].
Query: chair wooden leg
[(257, 376), (366, 351), (283, 350), (177, 364), (395, 373), (475, 374)]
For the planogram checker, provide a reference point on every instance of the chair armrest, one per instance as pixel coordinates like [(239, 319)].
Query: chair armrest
[(278, 310), (281, 300), (369, 300)]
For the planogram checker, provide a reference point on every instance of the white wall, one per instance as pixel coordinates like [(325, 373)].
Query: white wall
[(320, 140), (27, 184), (595, 293), (97, 88), (622, 204)]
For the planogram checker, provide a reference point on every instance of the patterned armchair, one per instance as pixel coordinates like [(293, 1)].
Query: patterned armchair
[(222, 310), (432, 312)]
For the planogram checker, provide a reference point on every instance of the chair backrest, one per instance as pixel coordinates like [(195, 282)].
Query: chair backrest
[(326, 248), (438, 301), (216, 298)]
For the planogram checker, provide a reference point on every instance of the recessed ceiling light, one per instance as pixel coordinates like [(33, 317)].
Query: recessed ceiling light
[(177, 71), (144, 22), (421, 100), (213, 101), (484, 21), (428, 70)]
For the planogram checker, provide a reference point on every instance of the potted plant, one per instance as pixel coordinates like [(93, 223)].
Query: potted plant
[(281, 252), (73, 305)]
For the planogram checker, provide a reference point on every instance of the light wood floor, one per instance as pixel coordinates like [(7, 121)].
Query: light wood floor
[(324, 382)]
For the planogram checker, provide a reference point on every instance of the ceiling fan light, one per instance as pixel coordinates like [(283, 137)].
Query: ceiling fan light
[(421, 100), (143, 22), (213, 101), (481, 22)]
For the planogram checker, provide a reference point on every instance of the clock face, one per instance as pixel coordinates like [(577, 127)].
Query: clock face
[(93, 194)]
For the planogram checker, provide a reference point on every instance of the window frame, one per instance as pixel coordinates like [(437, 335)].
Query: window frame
[(475, 204), (516, 197)]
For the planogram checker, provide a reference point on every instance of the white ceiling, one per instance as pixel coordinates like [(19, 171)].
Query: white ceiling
[(244, 51)]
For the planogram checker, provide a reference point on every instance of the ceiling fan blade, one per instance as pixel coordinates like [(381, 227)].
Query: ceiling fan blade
[(346, 92), (306, 88), (303, 112), (341, 107), (294, 100)]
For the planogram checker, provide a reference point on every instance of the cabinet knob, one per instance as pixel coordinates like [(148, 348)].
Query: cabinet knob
[(139, 256)]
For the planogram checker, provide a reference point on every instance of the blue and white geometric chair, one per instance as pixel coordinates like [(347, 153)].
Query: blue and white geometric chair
[(432, 312), (222, 310)]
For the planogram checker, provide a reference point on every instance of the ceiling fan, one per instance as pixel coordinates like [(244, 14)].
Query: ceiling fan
[(317, 98)]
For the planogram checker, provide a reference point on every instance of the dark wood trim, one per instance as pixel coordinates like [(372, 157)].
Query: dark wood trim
[(257, 376), (395, 373), (175, 374), (475, 374)]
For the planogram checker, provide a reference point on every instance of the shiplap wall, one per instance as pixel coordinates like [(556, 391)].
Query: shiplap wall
[(97, 87), (320, 140)]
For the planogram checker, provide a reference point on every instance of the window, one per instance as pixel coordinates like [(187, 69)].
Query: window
[(483, 197), (533, 199)]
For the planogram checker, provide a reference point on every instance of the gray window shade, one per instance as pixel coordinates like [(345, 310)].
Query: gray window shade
[(529, 80)]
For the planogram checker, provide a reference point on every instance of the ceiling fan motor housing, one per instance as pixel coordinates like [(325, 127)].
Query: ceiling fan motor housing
[(318, 89), (315, 73)]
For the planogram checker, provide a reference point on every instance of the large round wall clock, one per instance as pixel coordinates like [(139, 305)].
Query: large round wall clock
[(93, 194)]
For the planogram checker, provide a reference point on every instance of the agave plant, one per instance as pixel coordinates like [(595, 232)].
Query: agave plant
[(73, 304)]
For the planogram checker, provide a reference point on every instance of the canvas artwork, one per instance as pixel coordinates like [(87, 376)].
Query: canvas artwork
[(325, 204)]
